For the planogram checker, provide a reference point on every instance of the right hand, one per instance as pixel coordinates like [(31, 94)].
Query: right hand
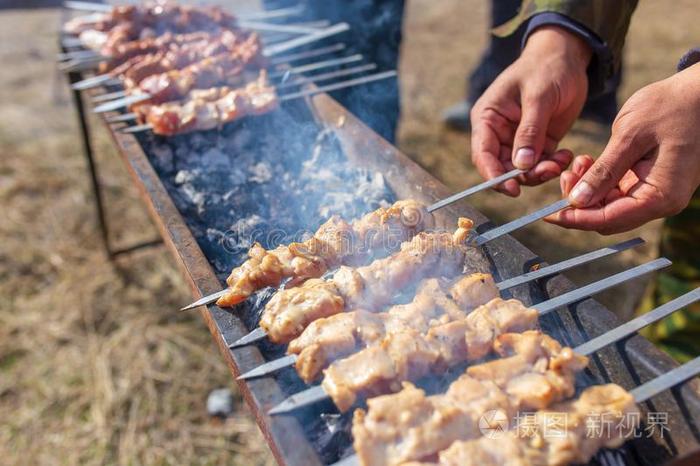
[(522, 116)]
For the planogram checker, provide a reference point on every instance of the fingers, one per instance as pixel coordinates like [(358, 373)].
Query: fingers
[(616, 215), (569, 178), (622, 211), (531, 134), (486, 151), (510, 187), (623, 150), (548, 168)]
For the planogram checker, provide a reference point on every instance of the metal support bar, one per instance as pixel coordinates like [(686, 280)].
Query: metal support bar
[(74, 77)]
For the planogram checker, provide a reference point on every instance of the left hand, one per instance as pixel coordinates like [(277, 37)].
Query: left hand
[(650, 167)]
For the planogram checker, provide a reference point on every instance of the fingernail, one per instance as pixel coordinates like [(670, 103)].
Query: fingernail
[(524, 158), (546, 176), (581, 194)]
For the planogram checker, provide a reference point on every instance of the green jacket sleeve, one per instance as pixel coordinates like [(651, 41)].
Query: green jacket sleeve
[(608, 19)]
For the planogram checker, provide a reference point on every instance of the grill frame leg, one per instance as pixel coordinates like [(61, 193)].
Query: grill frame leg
[(98, 195)]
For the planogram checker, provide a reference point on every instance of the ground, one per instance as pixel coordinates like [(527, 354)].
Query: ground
[(95, 367)]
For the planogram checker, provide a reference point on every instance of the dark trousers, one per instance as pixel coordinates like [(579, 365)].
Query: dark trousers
[(375, 33)]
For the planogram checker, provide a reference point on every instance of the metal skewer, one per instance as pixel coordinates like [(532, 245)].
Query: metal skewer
[(521, 222), (317, 393), (308, 54), (317, 65), (93, 81), (295, 95), (120, 103), (645, 391), (287, 361), (109, 96), (271, 27), (307, 39), (83, 64), (88, 6), (638, 323), (76, 55), (475, 189), (569, 263), (69, 42), (326, 76), (270, 14), (668, 380), (125, 118), (277, 13)]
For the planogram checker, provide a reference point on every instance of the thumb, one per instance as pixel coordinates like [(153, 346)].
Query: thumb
[(621, 153), (532, 132)]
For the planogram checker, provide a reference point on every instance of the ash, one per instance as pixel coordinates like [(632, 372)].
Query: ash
[(271, 179)]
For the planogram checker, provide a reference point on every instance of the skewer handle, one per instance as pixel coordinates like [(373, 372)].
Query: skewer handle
[(307, 39), (668, 380), (476, 189), (87, 6), (522, 221), (568, 264), (637, 324), (600, 285)]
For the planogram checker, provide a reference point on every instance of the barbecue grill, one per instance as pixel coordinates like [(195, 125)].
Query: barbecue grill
[(186, 213)]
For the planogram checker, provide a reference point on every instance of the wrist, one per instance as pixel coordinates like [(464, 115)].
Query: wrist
[(552, 40)]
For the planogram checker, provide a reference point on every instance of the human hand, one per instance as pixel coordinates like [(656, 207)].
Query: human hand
[(522, 116), (650, 167)]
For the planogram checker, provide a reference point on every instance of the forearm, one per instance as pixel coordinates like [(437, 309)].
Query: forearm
[(602, 23)]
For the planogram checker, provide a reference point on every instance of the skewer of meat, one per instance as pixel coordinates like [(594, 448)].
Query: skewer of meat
[(327, 339), (127, 23), (335, 243), (224, 68), (198, 100), (210, 108), (408, 356), (542, 446), (371, 287), (340, 335), (127, 51), (169, 52), (534, 372)]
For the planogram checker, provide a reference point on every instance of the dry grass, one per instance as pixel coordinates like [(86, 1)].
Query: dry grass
[(95, 368)]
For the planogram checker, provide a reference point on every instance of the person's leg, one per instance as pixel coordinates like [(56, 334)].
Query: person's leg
[(498, 55), (603, 108), (679, 334), (500, 52), (375, 33)]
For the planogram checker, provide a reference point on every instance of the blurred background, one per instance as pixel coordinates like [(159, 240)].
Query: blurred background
[(96, 367)]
